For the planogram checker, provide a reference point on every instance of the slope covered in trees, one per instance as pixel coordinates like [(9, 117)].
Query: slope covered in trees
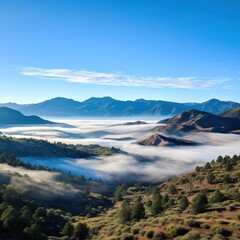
[(42, 148), (204, 204)]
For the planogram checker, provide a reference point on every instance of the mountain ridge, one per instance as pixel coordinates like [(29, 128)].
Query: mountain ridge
[(10, 116), (200, 121), (107, 106)]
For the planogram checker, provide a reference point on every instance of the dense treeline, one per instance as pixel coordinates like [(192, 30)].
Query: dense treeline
[(43, 148)]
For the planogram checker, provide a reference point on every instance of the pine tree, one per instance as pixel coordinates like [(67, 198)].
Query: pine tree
[(125, 214), (199, 203), (67, 230), (183, 203), (138, 211), (81, 231), (156, 204)]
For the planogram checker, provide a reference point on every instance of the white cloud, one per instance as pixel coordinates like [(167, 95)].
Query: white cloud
[(117, 79)]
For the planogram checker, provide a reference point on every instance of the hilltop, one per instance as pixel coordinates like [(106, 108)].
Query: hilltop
[(160, 140), (232, 113), (199, 121)]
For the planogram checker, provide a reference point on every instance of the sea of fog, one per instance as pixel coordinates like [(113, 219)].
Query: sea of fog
[(142, 163)]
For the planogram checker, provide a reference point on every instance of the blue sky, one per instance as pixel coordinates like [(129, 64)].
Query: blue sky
[(176, 50)]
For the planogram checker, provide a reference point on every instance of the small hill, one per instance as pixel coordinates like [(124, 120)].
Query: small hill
[(135, 123), (233, 113), (160, 140), (11, 116), (199, 121)]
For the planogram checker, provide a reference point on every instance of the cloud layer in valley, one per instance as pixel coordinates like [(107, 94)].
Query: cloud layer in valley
[(142, 162), (119, 79)]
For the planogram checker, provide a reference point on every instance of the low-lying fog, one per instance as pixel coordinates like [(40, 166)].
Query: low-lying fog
[(142, 163)]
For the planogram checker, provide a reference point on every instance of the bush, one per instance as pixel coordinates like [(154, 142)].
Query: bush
[(210, 178), (149, 234), (175, 231), (135, 231), (183, 203), (235, 225), (217, 197), (172, 189), (191, 223), (127, 237), (192, 235), (216, 229)]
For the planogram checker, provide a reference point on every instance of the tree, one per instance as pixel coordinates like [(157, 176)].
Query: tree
[(227, 179), (41, 212), (118, 194), (207, 166), (219, 159), (81, 231), (139, 199), (165, 199), (199, 203), (156, 204), (67, 230), (34, 231), (197, 169), (217, 197), (125, 214), (210, 178), (183, 203), (172, 189), (228, 166), (86, 191), (138, 211)]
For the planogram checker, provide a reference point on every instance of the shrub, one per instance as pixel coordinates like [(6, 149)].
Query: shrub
[(192, 235), (142, 232), (216, 229), (191, 223), (149, 234), (127, 237), (235, 225), (175, 230), (172, 189), (210, 178), (217, 197), (135, 231)]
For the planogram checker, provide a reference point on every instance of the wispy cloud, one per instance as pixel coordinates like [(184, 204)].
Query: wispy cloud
[(117, 79)]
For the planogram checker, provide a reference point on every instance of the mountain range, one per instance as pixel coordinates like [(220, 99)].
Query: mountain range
[(108, 106)]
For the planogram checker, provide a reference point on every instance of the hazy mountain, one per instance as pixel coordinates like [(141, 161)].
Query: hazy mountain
[(11, 116), (108, 106), (199, 121), (215, 106), (160, 140), (233, 113)]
